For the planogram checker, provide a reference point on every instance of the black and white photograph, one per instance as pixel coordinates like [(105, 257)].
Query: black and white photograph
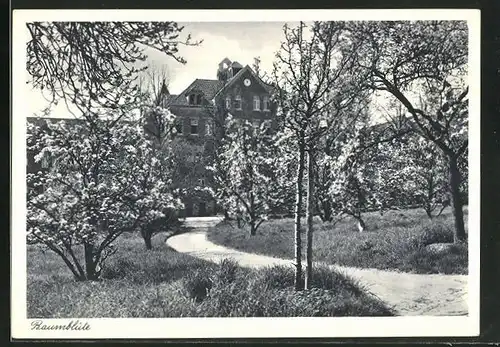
[(259, 173)]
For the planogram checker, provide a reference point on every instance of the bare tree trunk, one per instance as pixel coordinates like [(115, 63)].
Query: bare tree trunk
[(456, 200), (309, 219), (428, 209), (428, 202), (327, 210), (298, 211), (90, 264), (147, 236), (253, 229), (147, 241), (361, 222)]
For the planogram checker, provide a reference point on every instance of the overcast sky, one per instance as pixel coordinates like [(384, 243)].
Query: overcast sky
[(237, 41)]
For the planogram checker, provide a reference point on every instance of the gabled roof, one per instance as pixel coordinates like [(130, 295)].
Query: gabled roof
[(209, 88), (266, 86)]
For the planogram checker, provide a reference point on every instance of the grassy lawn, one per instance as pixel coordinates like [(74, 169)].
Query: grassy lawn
[(395, 240), (164, 283)]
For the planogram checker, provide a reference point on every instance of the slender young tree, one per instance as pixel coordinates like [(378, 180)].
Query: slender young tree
[(314, 73)]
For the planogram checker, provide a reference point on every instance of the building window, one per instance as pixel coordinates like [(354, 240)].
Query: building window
[(194, 99), (256, 103), (194, 126), (208, 127), (265, 102), (237, 102), (228, 102)]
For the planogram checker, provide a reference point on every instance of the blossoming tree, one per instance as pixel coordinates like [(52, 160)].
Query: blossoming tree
[(106, 178), (424, 66), (245, 172)]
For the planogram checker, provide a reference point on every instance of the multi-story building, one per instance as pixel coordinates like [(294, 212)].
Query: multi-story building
[(200, 109)]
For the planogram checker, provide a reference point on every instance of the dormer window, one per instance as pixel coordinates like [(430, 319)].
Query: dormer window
[(194, 99), (265, 101), (228, 102), (256, 103), (237, 102)]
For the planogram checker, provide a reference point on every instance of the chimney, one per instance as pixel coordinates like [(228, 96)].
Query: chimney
[(223, 70)]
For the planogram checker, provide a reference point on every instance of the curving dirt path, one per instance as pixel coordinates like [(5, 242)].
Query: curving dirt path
[(409, 294)]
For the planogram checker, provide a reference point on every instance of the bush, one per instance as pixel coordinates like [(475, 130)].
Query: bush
[(323, 277), (435, 233), (196, 285), (226, 271), (450, 262), (277, 277), (159, 265)]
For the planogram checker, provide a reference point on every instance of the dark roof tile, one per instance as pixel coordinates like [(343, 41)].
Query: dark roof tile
[(208, 87)]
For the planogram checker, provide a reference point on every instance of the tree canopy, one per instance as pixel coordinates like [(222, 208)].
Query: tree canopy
[(94, 65)]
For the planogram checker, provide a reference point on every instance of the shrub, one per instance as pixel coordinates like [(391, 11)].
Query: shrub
[(196, 285), (450, 262), (226, 271), (276, 277), (323, 277), (159, 265), (436, 232)]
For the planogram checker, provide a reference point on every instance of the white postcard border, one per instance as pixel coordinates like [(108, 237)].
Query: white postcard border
[(420, 326)]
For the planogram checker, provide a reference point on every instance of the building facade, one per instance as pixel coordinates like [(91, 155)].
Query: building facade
[(200, 110)]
